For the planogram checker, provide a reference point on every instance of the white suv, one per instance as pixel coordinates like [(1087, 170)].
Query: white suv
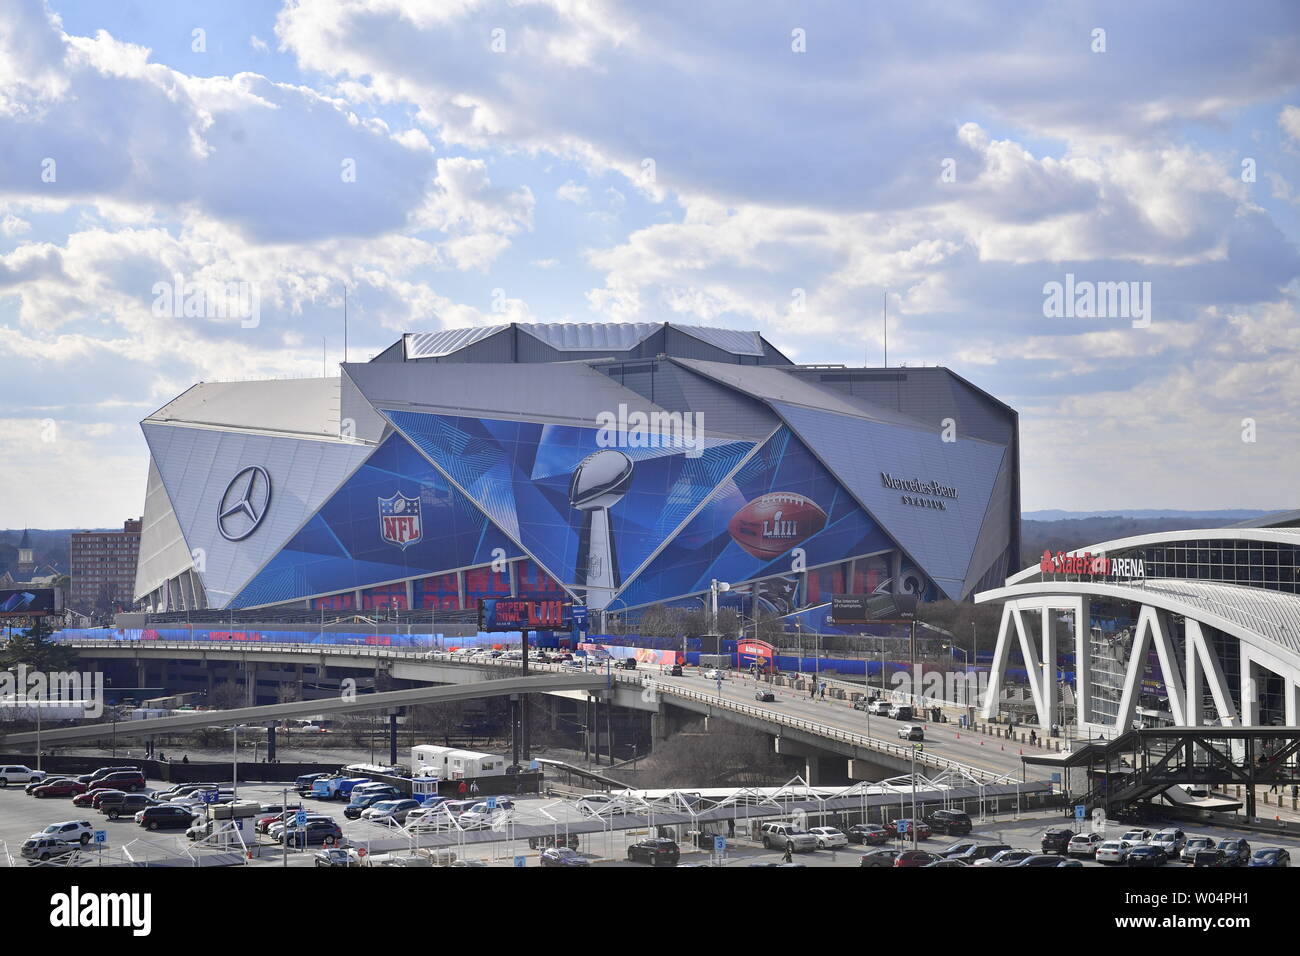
[(70, 831), (19, 774)]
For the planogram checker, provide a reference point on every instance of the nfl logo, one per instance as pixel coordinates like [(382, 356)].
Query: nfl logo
[(399, 520)]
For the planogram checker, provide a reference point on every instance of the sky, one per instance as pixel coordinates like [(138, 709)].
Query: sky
[(786, 167)]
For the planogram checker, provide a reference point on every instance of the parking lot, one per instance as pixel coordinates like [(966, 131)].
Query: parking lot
[(22, 815)]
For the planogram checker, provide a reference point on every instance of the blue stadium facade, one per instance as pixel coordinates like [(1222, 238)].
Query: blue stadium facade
[(617, 465)]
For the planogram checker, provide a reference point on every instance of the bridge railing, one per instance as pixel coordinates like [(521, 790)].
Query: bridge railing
[(627, 678)]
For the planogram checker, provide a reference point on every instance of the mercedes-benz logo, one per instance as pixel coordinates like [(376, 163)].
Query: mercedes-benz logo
[(244, 503)]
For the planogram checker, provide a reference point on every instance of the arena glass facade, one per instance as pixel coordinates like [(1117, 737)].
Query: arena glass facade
[(617, 465)]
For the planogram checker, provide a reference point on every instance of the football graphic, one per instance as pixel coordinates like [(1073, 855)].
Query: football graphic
[(773, 523)]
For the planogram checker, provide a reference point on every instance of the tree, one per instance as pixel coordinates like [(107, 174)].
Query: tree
[(37, 652)]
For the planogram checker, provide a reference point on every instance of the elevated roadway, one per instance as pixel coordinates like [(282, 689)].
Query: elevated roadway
[(797, 721)]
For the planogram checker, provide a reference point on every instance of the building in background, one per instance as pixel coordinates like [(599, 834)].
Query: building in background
[(1177, 628), (619, 465), (103, 566)]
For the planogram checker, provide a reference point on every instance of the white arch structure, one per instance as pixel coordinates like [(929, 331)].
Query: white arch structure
[(1265, 623)]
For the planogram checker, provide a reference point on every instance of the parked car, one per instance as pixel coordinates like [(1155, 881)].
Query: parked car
[(1043, 859), (863, 703), (1148, 854), (1006, 857), (900, 711), (880, 708), (1112, 851), (1136, 837), (1273, 856), (829, 837), (97, 774), (314, 832), (93, 798), (1236, 851), (69, 831), (365, 801), (31, 787), (386, 810), (1057, 840), (1171, 840), (766, 696), (303, 784), (911, 732), (1084, 844), (786, 836), (563, 856), (960, 848), (1210, 858), (43, 849), (868, 834), (914, 858), (882, 857), (903, 828), (165, 816), (59, 788), (714, 674), (952, 822), (338, 857), (947, 862), (17, 773), (129, 804), (482, 815), (656, 851), (276, 830), (982, 851), (129, 780), (1193, 846)]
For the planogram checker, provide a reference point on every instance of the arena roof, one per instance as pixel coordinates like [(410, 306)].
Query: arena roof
[(581, 337)]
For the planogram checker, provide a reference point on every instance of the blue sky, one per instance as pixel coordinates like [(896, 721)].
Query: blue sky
[(587, 160)]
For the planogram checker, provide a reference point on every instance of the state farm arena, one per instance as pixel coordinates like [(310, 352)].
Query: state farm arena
[(614, 465)]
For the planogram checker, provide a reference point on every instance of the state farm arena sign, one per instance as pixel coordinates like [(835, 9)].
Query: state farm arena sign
[(1092, 565)]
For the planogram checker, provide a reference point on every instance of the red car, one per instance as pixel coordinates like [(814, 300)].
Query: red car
[(128, 780), (60, 788), (904, 828), (914, 858), (91, 798)]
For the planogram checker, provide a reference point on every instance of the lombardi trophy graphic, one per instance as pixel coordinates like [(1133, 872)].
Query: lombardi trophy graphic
[(599, 482)]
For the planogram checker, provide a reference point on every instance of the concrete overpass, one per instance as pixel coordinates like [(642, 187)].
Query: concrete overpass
[(269, 713), (814, 731)]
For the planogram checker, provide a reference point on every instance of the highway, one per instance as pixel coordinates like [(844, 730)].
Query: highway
[(943, 740), (946, 741)]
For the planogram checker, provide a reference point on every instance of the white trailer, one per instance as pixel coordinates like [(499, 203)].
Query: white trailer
[(448, 763)]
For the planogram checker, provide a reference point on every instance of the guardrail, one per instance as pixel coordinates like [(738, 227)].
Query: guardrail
[(627, 678)]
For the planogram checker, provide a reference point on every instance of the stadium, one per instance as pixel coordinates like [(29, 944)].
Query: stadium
[(617, 466)]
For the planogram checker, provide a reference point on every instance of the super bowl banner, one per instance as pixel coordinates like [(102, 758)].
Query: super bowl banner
[(591, 504)]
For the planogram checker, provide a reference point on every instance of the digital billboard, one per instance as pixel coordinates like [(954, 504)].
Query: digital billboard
[(30, 602)]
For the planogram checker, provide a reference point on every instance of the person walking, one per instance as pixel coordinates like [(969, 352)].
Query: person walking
[(788, 856)]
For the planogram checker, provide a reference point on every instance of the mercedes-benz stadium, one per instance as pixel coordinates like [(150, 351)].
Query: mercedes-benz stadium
[(613, 465)]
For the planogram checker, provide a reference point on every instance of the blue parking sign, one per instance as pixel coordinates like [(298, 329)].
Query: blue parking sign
[(101, 836), (300, 817), (719, 844), (210, 796), (492, 803), (1080, 811), (521, 861)]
